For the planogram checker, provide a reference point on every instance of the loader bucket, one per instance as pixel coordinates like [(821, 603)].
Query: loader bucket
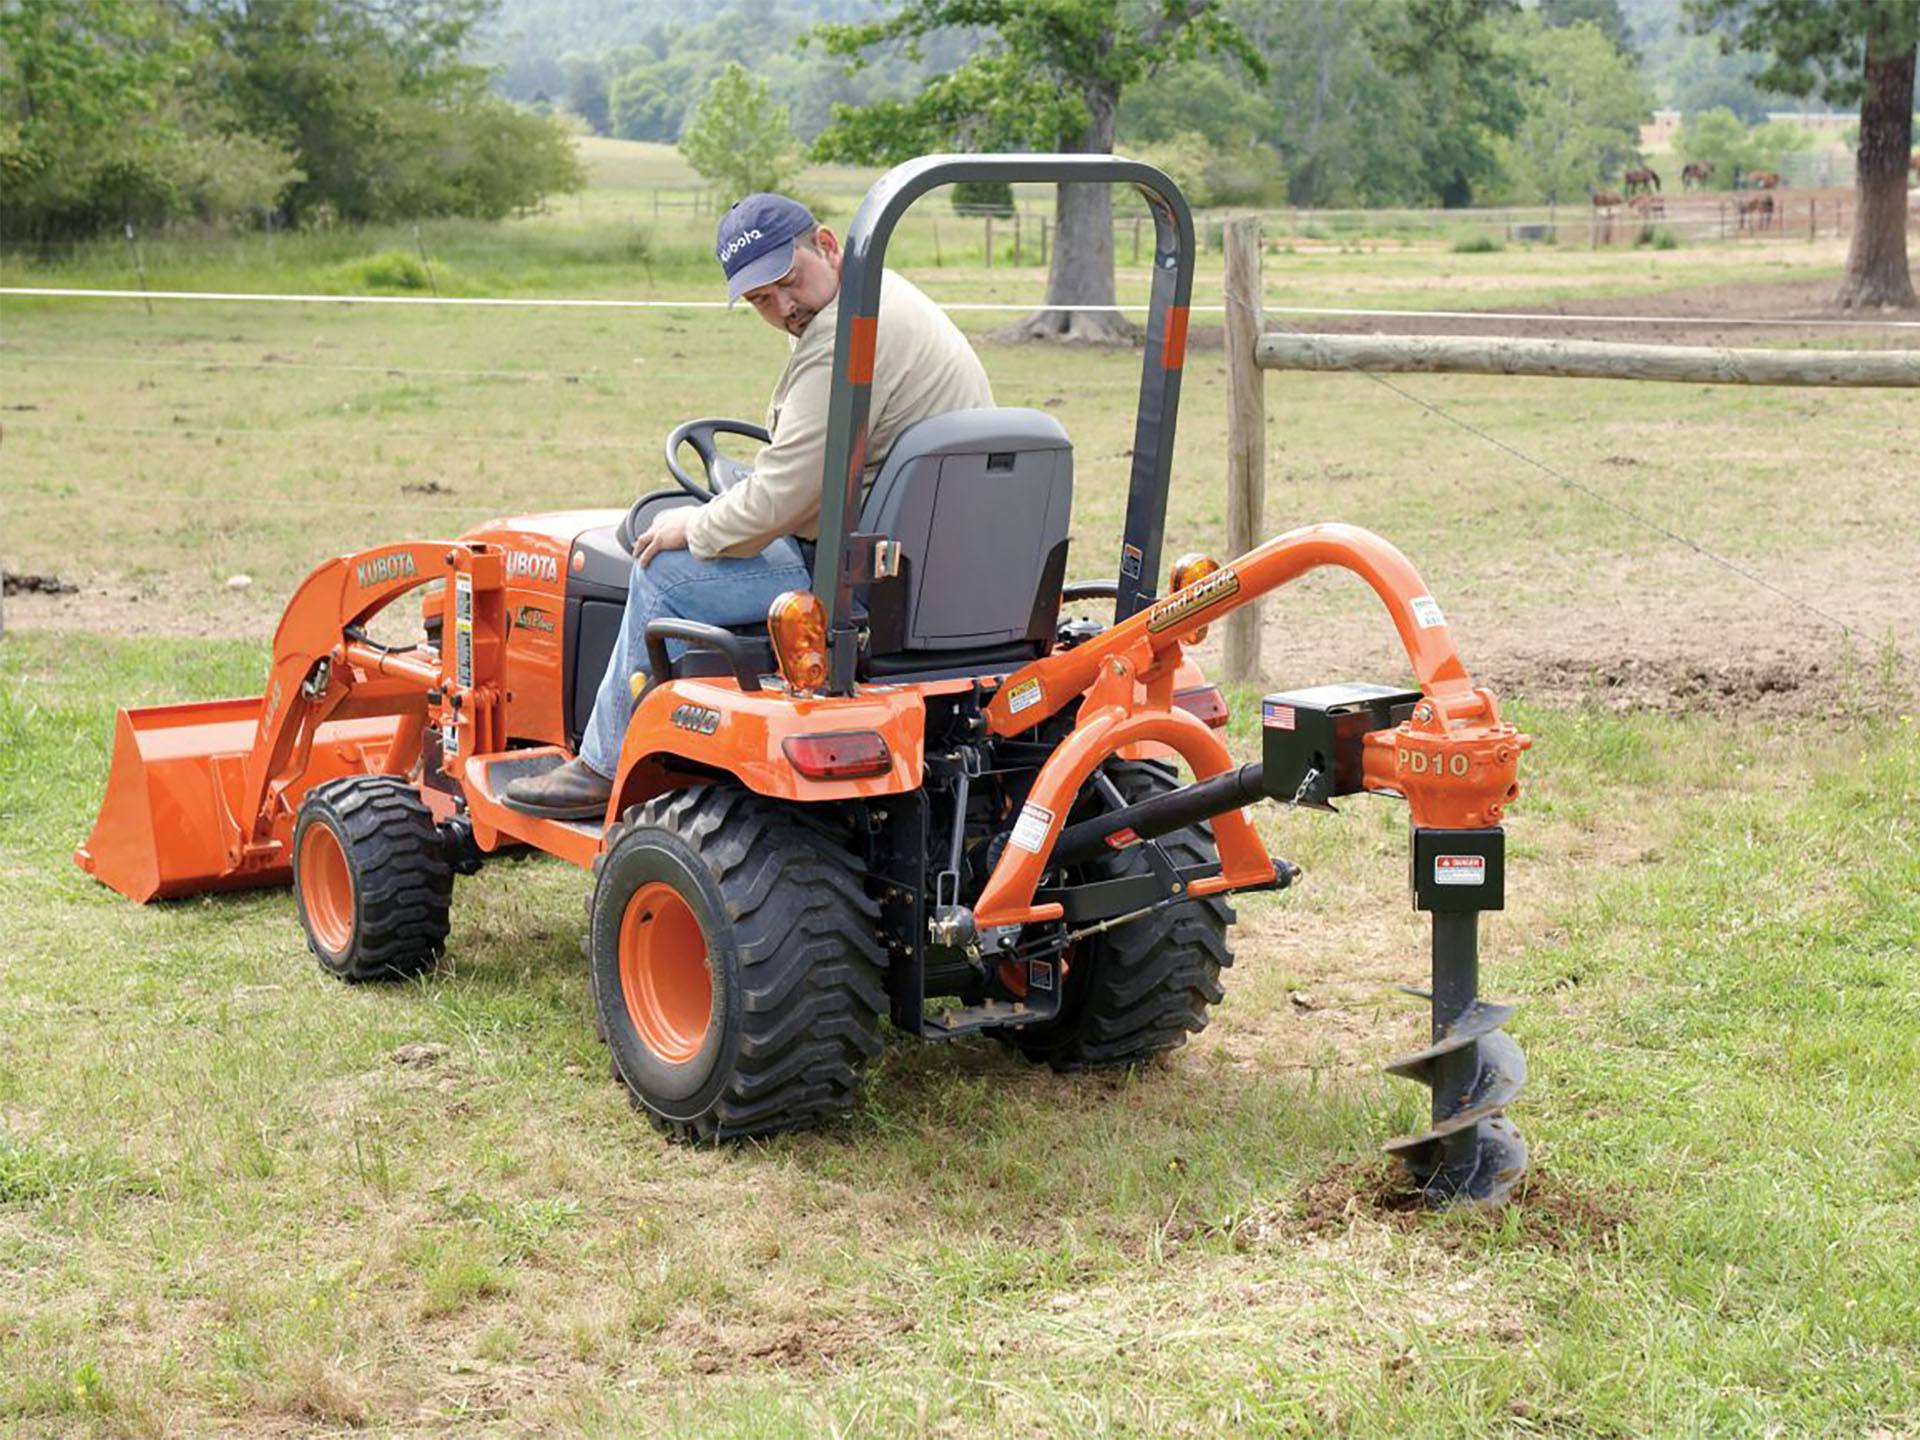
[(169, 825)]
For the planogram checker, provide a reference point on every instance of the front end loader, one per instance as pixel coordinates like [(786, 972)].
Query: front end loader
[(931, 787)]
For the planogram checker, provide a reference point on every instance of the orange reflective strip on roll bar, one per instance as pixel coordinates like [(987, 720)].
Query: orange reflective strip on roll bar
[(860, 351), (1173, 349)]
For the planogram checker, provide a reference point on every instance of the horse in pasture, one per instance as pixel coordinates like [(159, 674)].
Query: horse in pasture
[(1760, 180), (1697, 173), (1756, 212), (1604, 199), (1647, 207), (1641, 180)]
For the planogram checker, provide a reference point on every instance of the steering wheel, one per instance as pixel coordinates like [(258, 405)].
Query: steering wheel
[(722, 472)]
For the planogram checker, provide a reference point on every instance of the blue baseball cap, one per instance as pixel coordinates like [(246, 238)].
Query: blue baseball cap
[(755, 243)]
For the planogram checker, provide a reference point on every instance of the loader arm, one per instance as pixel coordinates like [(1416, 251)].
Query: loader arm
[(202, 796)]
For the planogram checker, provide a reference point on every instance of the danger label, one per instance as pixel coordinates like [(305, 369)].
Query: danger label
[(1030, 831), (1426, 612), (1459, 869), (1023, 696)]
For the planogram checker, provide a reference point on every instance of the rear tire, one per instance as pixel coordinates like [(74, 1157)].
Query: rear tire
[(1140, 989), (371, 879), (736, 967)]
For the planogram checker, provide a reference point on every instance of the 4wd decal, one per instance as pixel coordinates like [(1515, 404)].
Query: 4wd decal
[(533, 566), (697, 718), (382, 568), (1211, 590)]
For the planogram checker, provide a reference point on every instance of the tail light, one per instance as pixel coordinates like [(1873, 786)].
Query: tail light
[(1186, 570), (841, 755), (797, 622), (1205, 702)]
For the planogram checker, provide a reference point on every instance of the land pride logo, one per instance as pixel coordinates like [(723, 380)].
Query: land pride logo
[(382, 568), (1210, 590)]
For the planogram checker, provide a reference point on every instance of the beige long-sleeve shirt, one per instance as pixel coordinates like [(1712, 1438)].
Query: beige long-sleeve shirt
[(922, 366)]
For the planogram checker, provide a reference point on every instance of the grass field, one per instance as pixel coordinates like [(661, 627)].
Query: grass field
[(236, 1197)]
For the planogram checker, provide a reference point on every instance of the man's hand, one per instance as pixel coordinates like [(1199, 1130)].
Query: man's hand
[(667, 532)]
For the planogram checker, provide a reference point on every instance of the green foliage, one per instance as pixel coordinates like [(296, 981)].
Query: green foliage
[(1605, 15), (1049, 74), (994, 197), (117, 111), (1812, 46), (1582, 106), (1243, 173), (1477, 242), (739, 138), (388, 270), (1717, 138)]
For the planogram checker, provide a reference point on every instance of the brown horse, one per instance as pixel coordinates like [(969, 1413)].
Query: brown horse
[(1760, 180), (1756, 212), (1604, 199), (1640, 180), (1647, 207), (1698, 172)]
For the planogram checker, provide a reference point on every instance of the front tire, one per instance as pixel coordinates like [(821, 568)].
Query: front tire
[(736, 969), (371, 879)]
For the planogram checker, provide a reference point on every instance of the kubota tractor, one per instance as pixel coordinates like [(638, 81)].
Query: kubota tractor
[(921, 789)]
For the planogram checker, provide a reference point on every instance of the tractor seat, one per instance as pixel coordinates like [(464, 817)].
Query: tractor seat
[(979, 501)]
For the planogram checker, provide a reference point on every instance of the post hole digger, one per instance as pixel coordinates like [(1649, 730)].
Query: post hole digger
[(921, 788)]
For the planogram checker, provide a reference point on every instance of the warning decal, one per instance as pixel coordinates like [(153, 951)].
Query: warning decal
[(1023, 696), (1030, 831), (1426, 612), (1459, 869)]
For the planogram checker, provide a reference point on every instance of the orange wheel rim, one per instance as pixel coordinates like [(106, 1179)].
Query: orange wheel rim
[(664, 972), (326, 888)]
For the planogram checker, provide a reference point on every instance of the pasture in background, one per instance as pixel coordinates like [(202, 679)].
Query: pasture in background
[(234, 1193)]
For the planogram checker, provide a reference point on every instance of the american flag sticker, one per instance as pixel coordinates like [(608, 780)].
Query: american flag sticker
[(1276, 717)]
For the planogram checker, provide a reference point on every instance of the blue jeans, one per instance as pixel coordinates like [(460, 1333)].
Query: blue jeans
[(720, 592)]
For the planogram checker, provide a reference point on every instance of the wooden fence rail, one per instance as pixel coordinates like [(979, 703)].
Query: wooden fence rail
[(1588, 360), (1250, 352)]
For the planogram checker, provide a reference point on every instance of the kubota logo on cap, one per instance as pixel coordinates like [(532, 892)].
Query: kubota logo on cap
[(739, 242)]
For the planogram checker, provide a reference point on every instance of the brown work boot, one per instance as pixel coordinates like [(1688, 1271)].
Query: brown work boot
[(573, 791)]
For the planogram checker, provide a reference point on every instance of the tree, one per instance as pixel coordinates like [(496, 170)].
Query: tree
[(1604, 13), (1847, 50), (1583, 104), (1047, 75), (738, 137)]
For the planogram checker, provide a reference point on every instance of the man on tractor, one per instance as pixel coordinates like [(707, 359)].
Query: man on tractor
[(726, 561)]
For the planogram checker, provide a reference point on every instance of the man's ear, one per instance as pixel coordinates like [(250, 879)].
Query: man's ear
[(828, 245)]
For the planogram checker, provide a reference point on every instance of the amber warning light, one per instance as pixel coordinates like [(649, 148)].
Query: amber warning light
[(797, 623)]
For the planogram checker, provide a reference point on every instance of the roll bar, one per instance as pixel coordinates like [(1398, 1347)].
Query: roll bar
[(838, 565)]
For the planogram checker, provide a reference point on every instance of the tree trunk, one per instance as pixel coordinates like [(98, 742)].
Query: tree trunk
[(1081, 270), (1877, 262)]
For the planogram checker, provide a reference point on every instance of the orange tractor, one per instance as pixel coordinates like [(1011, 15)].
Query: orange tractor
[(921, 789)]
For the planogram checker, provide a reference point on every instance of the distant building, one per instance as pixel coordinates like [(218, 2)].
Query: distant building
[(1824, 122), (1659, 134)]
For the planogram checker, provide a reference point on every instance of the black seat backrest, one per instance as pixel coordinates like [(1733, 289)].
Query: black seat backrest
[(979, 502)]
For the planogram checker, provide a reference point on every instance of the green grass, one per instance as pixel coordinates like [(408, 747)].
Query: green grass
[(221, 1201), (229, 1198)]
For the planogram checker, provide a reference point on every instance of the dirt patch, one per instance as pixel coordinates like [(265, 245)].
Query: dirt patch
[(13, 584), (1676, 685), (1549, 1212)]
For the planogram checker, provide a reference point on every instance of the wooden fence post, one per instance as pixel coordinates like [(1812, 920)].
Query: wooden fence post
[(1246, 434), (989, 242)]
